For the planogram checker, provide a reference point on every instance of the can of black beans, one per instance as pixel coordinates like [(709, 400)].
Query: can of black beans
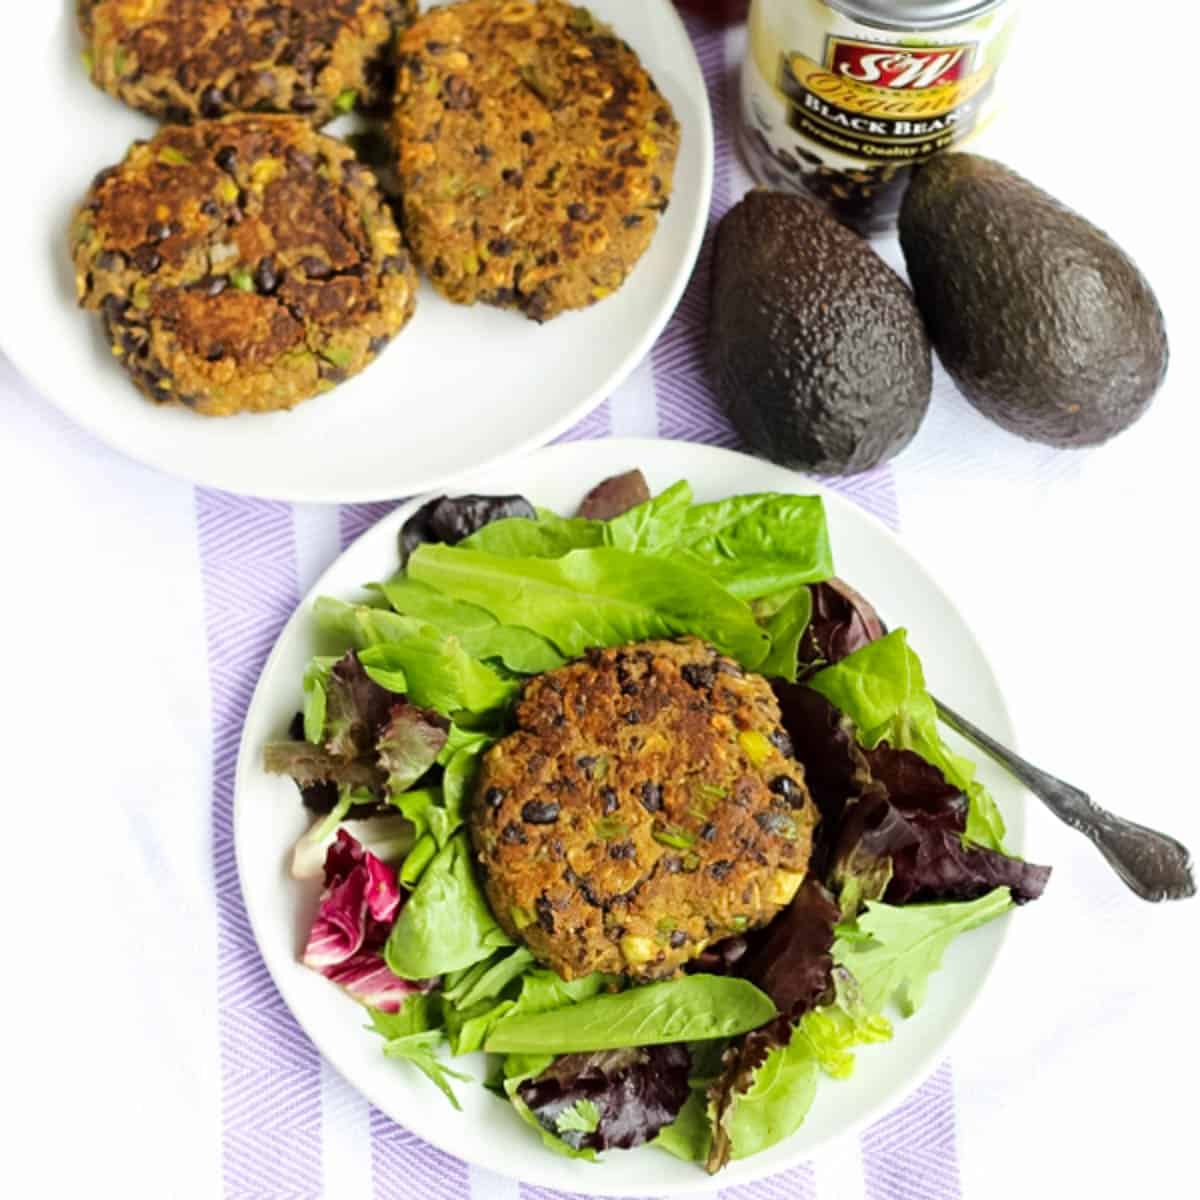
[(841, 98)]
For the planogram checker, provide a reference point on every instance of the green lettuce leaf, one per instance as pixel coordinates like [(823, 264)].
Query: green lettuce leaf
[(408, 656), (446, 924), (316, 680), (412, 1035), (778, 1099), (891, 950), (786, 627), (481, 635), (599, 597), (691, 1008), (760, 544), (653, 527), (550, 536), (882, 689)]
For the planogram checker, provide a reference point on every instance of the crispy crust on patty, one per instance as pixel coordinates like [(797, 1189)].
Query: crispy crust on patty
[(241, 265), (646, 806), (182, 59), (535, 154)]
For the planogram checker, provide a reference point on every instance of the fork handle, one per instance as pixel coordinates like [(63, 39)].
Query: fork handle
[(1155, 866)]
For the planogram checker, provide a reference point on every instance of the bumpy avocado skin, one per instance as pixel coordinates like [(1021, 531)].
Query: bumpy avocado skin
[(819, 355), (1045, 324)]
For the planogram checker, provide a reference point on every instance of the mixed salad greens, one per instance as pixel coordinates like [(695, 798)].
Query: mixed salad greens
[(418, 682)]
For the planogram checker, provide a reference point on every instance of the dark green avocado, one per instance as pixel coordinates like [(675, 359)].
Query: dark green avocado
[(1045, 324), (819, 355)]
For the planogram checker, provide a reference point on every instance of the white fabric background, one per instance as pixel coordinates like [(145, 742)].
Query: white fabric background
[(1075, 1074)]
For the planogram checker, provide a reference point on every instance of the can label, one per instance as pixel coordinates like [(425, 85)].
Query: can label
[(842, 108)]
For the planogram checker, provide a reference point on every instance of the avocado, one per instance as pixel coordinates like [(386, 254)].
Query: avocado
[(819, 355), (1045, 324)]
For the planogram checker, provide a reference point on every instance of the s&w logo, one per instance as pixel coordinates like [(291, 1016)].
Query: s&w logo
[(898, 68)]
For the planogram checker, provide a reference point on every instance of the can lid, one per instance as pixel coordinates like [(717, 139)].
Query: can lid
[(913, 14)]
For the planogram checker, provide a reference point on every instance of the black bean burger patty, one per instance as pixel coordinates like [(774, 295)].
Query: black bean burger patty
[(536, 154), (182, 59), (241, 265), (646, 806)]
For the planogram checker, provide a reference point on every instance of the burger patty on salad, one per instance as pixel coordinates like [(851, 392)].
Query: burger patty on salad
[(646, 806)]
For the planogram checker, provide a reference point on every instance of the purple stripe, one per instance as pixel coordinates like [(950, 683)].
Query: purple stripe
[(355, 519), (873, 490), (798, 1183), (597, 424), (270, 1072), (529, 1192), (406, 1168), (686, 406), (912, 1154)]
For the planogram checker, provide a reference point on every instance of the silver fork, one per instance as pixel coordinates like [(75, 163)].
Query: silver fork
[(1155, 866)]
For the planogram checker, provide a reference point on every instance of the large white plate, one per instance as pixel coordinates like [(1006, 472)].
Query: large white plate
[(461, 388), (268, 818)]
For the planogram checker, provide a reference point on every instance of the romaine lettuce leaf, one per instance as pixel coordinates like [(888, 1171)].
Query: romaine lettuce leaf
[(599, 597)]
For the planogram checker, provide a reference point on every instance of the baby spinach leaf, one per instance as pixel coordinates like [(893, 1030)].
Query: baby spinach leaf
[(693, 1008), (446, 924), (891, 951), (599, 597)]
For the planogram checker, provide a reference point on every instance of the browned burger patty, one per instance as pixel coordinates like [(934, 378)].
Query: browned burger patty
[(646, 806), (181, 59), (535, 154), (241, 265)]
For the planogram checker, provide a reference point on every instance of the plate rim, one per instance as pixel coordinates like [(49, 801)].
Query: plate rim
[(28, 365), (704, 1184)]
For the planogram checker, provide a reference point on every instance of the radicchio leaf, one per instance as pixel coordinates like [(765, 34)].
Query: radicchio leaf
[(409, 744), (842, 621), (357, 909), (636, 1092), (450, 520), (615, 496)]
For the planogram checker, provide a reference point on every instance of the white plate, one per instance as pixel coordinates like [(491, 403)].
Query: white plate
[(268, 818), (461, 388)]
